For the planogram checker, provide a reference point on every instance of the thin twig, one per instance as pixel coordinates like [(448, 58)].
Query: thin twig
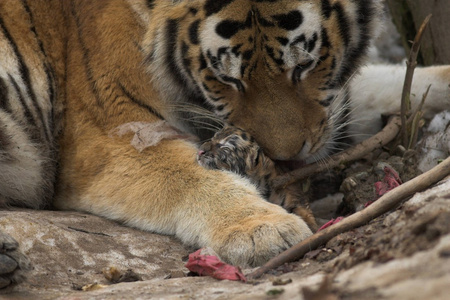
[(379, 140), (419, 107), (410, 66), (415, 121), (387, 202)]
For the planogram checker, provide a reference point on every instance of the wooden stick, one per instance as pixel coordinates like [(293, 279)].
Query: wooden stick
[(379, 207), (406, 93), (379, 140)]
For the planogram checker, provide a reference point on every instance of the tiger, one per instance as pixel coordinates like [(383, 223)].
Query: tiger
[(73, 71), (234, 150)]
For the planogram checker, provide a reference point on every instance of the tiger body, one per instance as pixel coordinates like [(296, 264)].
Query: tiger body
[(233, 149), (73, 71)]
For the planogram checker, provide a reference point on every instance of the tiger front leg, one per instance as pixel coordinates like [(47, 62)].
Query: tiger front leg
[(13, 263), (164, 190)]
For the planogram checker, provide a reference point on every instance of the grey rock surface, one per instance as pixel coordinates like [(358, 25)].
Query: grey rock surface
[(71, 249)]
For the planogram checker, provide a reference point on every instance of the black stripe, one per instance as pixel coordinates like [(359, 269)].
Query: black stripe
[(25, 73), (139, 102), (214, 61), (28, 115), (4, 96), (270, 51), (202, 62), (326, 8), (290, 21), (193, 32), (47, 68), (258, 154), (312, 43), (236, 49), (5, 140), (227, 28), (325, 39), (282, 40), (299, 39), (236, 82), (186, 61), (206, 87), (343, 23), (354, 55), (214, 6), (86, 58), (171, 51), (150, 4)]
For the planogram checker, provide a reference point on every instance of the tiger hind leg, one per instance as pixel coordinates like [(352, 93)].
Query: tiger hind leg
[(27, 170), (26, 180)]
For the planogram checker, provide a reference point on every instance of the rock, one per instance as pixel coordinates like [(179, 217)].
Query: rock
[(70, 249)]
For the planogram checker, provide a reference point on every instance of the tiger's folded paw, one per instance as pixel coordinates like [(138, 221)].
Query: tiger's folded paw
[(257, 238)]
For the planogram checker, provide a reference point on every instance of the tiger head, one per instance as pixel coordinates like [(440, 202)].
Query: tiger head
[(272, 67)]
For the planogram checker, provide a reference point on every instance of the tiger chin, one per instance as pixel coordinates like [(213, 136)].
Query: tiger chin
[(73, 71)]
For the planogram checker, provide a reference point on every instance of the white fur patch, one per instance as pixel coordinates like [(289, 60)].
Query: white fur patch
[(377, 90), (311, 25), (211, 41)]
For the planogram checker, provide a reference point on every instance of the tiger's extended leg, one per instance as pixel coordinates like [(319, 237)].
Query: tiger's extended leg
[(163, 190)]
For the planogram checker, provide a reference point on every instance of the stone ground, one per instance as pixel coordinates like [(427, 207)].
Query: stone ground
[(404, 254)]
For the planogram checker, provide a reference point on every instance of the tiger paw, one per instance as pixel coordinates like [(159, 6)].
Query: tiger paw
[(13, 263), (257, 238)]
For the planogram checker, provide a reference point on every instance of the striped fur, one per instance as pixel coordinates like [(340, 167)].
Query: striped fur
[(251, 62), (27, 110), (217, 56)]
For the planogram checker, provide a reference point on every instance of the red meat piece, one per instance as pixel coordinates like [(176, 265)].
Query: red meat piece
[(390, 181), (211, 265), (329, 223)]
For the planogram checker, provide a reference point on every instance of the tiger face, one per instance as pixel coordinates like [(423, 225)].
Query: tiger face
[(274, 68)]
